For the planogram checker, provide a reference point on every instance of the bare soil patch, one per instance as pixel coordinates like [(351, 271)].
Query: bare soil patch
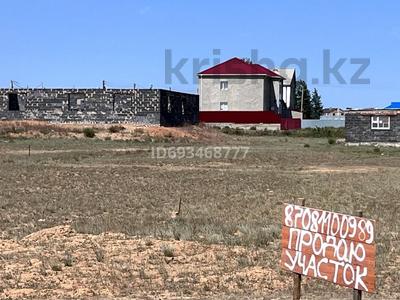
[(60, 263)]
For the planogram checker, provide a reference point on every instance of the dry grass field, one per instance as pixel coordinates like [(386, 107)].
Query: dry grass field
[(96, 217)]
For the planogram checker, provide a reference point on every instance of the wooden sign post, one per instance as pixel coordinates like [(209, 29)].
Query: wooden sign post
[(334, 247), (297, 277)]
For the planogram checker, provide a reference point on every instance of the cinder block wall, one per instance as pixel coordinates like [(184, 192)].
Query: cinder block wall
[(90, 105), (178, 108), (358, 129)]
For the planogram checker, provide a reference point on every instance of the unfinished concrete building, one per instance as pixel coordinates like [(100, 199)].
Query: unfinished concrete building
[(144, 106)]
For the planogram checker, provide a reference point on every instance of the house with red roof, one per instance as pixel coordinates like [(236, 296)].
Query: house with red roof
[(238, 91)]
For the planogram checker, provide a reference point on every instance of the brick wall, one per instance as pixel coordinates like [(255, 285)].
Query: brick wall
[(358, 129), (90, 105)]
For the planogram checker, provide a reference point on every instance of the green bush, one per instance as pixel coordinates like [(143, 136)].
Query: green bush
[(227, 130), (327, 132), (306, 145), (139, 130), (331, 141), (56, 267), (167, 250), (377, 150), (68, 259), (116, 128), (100, 254), (253, 128), (89, 132), (239, 131)]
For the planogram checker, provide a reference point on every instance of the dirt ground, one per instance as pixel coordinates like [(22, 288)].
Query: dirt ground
[(59, 263), (95, 218)]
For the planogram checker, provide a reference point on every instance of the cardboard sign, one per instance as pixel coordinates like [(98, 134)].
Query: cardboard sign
[(330, 246)]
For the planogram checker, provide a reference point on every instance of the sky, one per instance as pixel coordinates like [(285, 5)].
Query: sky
[(79, 43)]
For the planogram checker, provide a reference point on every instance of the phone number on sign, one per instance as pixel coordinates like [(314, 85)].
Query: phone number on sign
[(199, 152)]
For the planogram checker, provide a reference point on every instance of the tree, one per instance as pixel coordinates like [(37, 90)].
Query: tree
[(247, 60), (302, 90), (316, 104)]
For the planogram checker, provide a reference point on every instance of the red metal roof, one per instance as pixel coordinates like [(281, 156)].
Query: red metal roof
[(237, 66)]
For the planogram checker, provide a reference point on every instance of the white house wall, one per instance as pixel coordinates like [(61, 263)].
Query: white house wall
[(286, 95), (243, 94), (289, 86), (277, 85)]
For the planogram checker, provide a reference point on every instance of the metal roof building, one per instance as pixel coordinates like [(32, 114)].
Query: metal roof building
[(394, 105)]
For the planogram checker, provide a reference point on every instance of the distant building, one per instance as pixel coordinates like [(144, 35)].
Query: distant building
[(237, 91), (373, 125), (394, 105), (236, 85), (333, 112)]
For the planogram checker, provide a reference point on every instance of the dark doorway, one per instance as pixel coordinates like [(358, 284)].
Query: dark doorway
[(13, 102)]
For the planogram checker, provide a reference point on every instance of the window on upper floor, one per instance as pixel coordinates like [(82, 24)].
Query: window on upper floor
[(223, 106), (223, 85), (380, 122)]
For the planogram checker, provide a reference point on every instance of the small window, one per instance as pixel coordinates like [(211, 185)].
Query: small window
[(169, 108), (183, 107), (380, 123), (113, 102), (13, 104), (223, 106), (69, 101), (75, 101), (223, 85)]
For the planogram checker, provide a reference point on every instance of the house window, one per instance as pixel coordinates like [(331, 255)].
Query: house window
[(223, 85), (223, 106), (380, 123)]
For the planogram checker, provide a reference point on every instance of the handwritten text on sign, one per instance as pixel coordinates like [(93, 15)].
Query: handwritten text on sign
[(331, 246)]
